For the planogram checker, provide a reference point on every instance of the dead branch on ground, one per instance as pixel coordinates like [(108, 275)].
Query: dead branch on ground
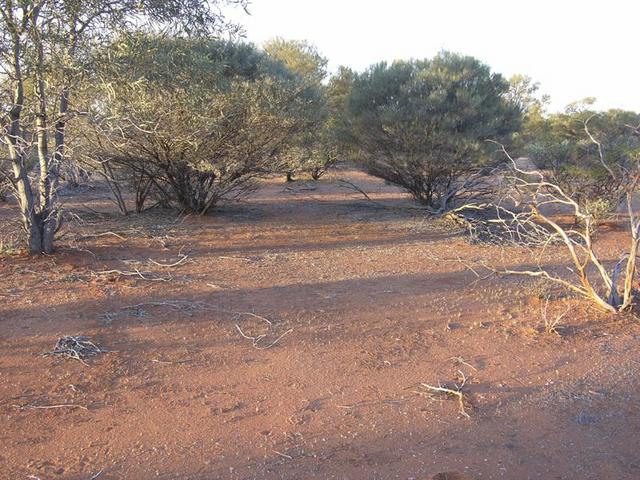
[(132, 273), (183, 258), (461, 361), (255, 341), (103, 234), (525, 211), (49, 407), (551, 326), (455, 392), (77, 348)]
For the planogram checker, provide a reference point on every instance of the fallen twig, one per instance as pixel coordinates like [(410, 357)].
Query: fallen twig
[(155, 360), (235, 258), (347, 184), (183, 258), (461, 361), (256, 340), (284, 455), (301, 188), (552, 326), (47, 407), (456, 392), (134, 273), (185, 306), (77, 348), (93, 477), (95, 235)]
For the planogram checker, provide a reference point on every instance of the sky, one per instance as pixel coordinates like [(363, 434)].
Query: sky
[(574, 49)]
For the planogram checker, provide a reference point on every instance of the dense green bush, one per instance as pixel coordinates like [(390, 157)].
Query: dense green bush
[(192, 121), (423, 124), (308, 151)]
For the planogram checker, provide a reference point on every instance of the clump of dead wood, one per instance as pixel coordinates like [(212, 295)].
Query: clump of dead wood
[(77, 348), (527, 211)]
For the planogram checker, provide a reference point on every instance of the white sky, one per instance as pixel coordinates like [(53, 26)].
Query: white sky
[(575, 49)]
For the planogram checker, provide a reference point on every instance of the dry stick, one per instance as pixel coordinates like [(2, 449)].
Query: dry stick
[(256, 340), (172, 303), (94, 235), (466, 265), (93, 477), (356, 188), (448, 391), (169, 265), (72, 247), (134, 273), (47, 407), (155, 360), (462, 361), (178, 304), (75, 348), (303, 188), (370, 403), (551, 326), (552, 194), (284, 455), (73, 355), (455, 393), (235, 258)]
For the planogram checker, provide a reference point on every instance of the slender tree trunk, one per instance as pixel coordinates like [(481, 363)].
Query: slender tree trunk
[(48, 221), (31, 219)]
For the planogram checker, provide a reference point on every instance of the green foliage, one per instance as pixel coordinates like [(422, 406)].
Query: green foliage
[(299, 57), (423, 124), (46, 49), (198, 119), (525, 94), (167, 62), (561, 144), (312, 150), (338, 125)]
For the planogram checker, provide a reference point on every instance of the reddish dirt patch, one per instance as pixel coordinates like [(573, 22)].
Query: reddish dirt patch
[(375, 304)]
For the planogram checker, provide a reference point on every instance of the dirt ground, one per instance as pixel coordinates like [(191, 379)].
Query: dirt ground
[(294, 340)]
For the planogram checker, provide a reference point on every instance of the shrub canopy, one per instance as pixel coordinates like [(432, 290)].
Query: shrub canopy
[(560, 143), (422, 124), (197, 118)]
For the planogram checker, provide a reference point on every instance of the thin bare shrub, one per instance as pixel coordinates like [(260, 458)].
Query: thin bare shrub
[(529, 212)]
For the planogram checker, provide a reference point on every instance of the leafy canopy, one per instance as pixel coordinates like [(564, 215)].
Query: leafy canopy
[(422, 124), (198, 117)]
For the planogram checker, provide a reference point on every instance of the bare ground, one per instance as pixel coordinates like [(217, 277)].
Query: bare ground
[(351, 307)]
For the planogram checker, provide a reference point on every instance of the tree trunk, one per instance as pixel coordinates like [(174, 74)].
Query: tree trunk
[(31, 220)]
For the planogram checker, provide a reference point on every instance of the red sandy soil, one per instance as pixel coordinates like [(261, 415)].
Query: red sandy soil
[(376, 304)]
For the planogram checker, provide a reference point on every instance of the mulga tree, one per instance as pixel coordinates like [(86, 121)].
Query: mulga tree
[(311, 150), (588, 153), (338, 94), (191, 121), (423, 125), (330, 141), (46, 47), (526, 94)]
